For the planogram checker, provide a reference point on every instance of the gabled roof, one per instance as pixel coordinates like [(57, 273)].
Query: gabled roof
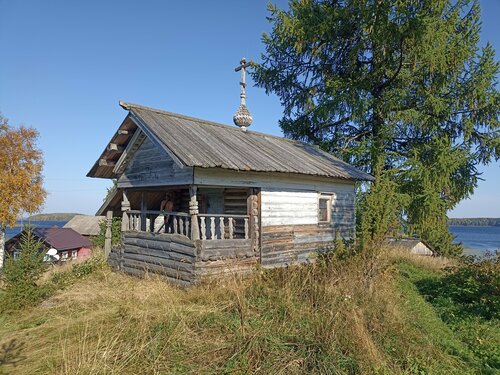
[(62, 238), (199, 143), (85, 224)]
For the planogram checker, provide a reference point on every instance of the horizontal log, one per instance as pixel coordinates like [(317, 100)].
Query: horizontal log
[(225, 244), (148, 260), (160, 270), (131, 249), (161, 241), (142, 273)]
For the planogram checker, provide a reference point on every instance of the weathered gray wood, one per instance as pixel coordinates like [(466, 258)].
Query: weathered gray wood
[(193, 211), (152, 166), (163, 262), (162, 237), (162, 243), (106, 163), (107, 236), (142, 273), (114, 147), (231, 228), (125, 208), (203, 228), (158, 269), (212, 228), (172, 255)]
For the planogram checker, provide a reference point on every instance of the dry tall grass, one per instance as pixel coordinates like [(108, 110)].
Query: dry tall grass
[(296, 320)]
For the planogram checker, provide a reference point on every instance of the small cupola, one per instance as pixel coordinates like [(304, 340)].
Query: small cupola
[(242, 117)]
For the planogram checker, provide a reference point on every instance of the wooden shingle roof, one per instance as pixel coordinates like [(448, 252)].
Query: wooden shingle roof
[(199, 143)]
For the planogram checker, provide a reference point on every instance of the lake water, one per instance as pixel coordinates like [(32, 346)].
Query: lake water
[(477, 239), (11, 232)]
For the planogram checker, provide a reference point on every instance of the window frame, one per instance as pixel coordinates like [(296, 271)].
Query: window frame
[(328, 198)]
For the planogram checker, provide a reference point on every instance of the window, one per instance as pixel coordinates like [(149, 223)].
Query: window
[(324, 208), (74, 254), (64, 256)]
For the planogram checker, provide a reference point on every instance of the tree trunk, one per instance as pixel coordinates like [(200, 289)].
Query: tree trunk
[(2, 245)]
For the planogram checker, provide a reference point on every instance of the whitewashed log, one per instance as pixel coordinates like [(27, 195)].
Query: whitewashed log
[(246, 228), (212, 228), (222, 228), (203, 228), (231, 228)]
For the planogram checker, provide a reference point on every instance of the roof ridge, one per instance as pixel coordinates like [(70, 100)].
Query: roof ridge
[(127, 106)]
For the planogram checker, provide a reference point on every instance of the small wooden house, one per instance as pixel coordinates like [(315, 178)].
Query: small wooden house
[(413, 245), (86, 225), (69, 244), (239, 197)]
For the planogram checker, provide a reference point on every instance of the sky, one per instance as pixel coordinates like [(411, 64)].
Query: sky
[(66, 63)]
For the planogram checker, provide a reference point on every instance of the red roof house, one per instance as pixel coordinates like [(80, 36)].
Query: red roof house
[(68, 243)]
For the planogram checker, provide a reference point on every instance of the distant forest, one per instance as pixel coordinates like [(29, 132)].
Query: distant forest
[(478, 221), (62, 216)]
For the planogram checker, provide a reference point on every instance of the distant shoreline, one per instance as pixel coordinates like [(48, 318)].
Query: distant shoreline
[(475, 221), (60, 216)]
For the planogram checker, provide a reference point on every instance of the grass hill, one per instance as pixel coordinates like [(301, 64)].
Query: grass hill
[(63, 216), (362, 315)]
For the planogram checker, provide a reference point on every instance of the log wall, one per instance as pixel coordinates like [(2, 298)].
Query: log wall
[(171, 256), (284, 245), (291, 232), (180, 260), (219, 257)]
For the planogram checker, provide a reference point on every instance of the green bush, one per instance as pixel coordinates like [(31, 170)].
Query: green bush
[(471, 289), (116, 233), (21, 275), (79, 271)]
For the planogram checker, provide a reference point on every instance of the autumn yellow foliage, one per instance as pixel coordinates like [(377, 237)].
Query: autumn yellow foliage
[(21, 163)]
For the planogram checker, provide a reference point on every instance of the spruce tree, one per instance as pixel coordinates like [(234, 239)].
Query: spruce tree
[(400, 89)]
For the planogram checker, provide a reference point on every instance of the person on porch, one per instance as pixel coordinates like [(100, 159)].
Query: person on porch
[(167, 206)]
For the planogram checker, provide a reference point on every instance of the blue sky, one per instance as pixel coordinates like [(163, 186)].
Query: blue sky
[(65, 65)]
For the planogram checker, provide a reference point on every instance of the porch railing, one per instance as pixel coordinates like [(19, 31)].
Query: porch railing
[(224, 227), (160, 222), (211, 226)]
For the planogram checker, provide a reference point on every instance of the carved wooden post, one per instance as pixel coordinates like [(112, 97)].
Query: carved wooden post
[(108, 235), (203, 228), (246, 228), (143, 216), (193, 211), (254, 220), (231, 227), (125, 209), (212, 228), (222, 229)]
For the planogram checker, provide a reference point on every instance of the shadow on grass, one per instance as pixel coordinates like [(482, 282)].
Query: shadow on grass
[(11, 353)]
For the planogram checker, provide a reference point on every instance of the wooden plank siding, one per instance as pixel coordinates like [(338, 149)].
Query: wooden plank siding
[(288, 207), (290, 244), (152, 166), (291, 232)]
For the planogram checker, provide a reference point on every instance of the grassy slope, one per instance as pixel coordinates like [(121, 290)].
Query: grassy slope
[(335, 319)]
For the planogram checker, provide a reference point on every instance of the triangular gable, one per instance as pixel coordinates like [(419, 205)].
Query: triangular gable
[(151, 165)]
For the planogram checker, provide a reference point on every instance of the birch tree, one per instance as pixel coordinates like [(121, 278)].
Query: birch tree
[(21, 163)]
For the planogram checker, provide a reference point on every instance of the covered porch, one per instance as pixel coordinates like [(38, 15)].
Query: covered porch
[(210, 230)]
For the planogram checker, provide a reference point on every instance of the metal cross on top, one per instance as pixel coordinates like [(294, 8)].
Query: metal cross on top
[(242, 117)]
